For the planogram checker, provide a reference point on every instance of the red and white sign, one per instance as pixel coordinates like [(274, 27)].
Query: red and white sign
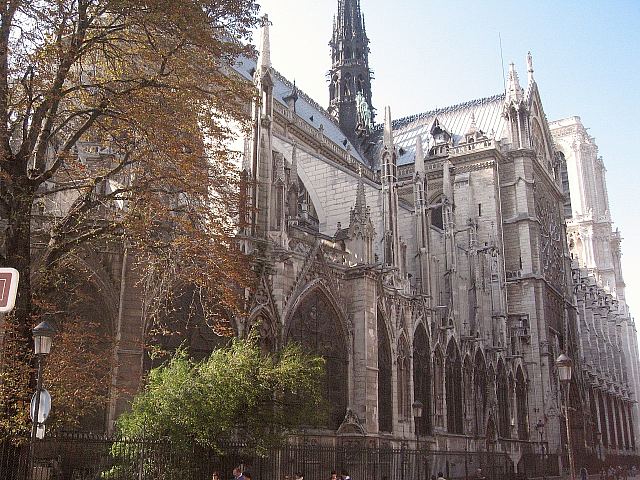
[(8, 288)]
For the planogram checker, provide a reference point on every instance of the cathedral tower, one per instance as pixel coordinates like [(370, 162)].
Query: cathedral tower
[(350, 77)]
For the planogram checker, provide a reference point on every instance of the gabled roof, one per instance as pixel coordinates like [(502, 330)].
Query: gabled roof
[(487, 113), (306, 108)]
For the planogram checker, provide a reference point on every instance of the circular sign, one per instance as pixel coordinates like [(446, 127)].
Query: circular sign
[(44, 408)]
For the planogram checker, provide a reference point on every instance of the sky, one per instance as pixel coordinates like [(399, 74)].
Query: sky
[(427, 54)]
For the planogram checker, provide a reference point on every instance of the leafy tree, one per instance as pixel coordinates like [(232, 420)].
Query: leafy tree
[(114, 130), (238, 393)]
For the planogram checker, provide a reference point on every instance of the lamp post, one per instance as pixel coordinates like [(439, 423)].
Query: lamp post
[(540, 429), (565, 367), (42, 338), (417, 408)]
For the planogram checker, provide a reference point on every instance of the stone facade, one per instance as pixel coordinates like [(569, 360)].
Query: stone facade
[(427, 259), (606, 334)]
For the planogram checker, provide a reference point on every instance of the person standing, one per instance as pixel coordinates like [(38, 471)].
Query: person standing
[(237, 473), (584, 475)]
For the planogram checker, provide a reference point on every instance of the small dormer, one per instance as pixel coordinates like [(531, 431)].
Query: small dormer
[(474, 134), (441, 139)]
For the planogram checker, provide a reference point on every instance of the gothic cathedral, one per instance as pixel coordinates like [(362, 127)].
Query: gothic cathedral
[(442, 260)]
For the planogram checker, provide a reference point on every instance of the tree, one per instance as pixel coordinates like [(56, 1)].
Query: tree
[(114, 127), (238, 393)]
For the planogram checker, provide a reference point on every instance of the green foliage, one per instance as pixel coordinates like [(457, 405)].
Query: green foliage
[(238, 393)]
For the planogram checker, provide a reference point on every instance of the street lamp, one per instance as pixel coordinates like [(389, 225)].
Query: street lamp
[(42, 339), (540, 429), (565, 367), (417, 408)]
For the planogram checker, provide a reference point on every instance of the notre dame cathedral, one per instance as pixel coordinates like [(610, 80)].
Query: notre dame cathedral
[(446, 258)]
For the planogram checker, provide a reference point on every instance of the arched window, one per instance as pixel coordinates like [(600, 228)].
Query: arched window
[(438, 388), (385, 408), (612, 422), (422, 378), (453, 385), (521, 406), (316, 326), (467, 391), (480, 394), (436, 218), (402, 378), (502, 392), (625, 430), (603, 420)]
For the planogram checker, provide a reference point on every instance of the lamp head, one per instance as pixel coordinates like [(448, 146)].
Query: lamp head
[(42, 337), (417, 408), (565, 366)]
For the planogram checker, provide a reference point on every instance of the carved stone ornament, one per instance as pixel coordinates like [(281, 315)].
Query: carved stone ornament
[(351, 425)]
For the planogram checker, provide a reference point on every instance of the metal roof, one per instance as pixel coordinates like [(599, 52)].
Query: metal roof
[(456, 119), (306, 108)]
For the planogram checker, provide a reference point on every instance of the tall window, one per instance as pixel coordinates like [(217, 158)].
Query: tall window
[(422, 378), (403, 379), (502, 392), (480, 393), (521, 406), (316, 326), (603, 421), (385, 408), (453, 385), (467, 382), (438, 387)]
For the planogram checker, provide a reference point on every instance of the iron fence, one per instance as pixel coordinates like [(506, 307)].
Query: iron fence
[(85, 457)]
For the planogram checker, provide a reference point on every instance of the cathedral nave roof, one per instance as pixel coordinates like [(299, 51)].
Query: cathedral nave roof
[(456, 120), (306, 108)]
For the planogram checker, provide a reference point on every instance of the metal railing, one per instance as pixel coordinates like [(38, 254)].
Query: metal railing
[(86, 457)]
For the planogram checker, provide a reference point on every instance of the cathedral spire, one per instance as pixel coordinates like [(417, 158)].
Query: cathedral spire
[(350, 77), (361, 201), (514, 92), (264, 56), (419, 161), (529, 68), (388, 130)]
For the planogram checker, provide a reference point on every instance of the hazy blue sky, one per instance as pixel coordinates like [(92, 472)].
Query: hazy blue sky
[(427, 54)]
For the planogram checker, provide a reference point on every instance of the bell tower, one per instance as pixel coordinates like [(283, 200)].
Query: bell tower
[(350, 77)]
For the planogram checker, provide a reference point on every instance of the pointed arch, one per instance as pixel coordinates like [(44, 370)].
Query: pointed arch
[(422, 378), (385, 400), (502, 393), (402, 378), (263, 319), (480, 393), (453, 387), (316, 324), (521, 405)]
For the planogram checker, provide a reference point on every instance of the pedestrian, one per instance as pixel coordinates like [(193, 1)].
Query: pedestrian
[(299, 476), (584, 475), (441, 476), (479, 475), (334, 475), (215, 475), (237, 473), (345, 475)]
